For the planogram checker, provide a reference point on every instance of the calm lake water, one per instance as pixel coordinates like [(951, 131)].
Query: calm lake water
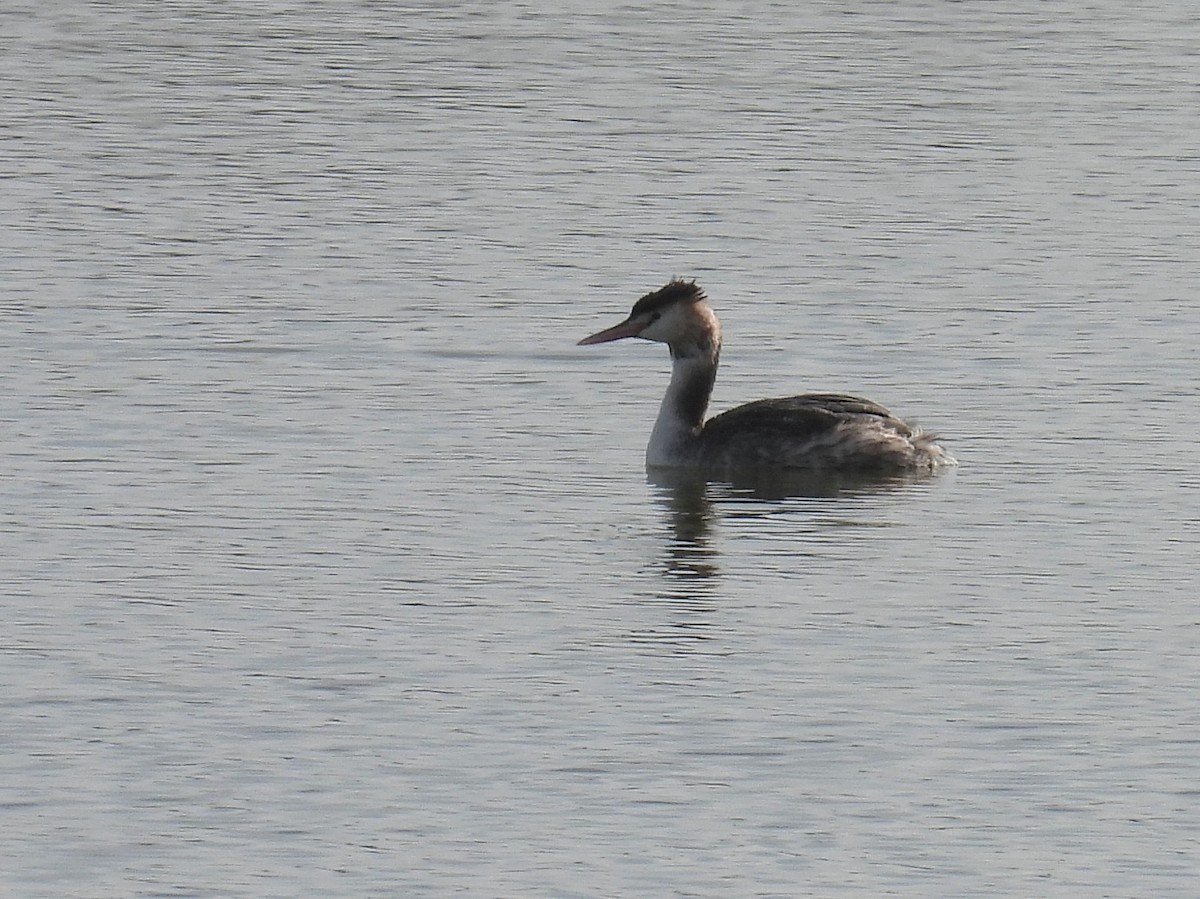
[(330, 564)]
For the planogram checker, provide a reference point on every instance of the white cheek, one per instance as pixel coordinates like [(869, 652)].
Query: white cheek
[(668, 326), (654, 331)]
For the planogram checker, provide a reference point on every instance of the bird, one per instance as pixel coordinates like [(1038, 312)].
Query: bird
[(815, 432)]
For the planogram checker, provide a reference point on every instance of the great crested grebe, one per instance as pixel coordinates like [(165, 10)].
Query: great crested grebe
[(816, 431)]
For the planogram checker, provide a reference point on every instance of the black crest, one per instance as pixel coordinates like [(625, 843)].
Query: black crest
[(675, 291)]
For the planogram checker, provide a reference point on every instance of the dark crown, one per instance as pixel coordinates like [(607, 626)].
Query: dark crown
[(675, 291)]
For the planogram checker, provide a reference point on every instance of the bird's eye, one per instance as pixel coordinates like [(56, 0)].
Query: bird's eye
[(655, 316)]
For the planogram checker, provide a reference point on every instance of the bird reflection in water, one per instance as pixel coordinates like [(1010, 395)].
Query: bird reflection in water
[(695, 504), (694, 501)]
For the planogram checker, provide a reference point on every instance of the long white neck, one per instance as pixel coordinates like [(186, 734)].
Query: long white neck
[(681, 415)]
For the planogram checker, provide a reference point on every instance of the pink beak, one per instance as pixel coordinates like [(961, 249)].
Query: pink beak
[(627, 328)]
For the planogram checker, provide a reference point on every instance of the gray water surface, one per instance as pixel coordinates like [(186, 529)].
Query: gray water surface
[(330, 564)]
